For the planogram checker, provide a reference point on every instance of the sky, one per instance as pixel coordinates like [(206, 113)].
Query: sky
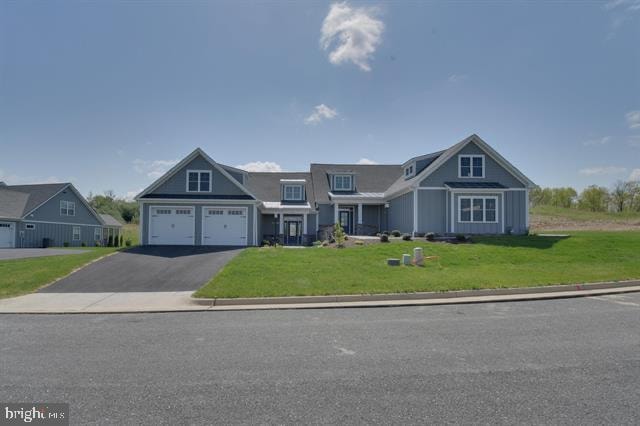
[(109, 95)]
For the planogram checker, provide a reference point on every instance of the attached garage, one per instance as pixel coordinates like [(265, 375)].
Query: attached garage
[(224, 226), (171, 225), (7, 234)]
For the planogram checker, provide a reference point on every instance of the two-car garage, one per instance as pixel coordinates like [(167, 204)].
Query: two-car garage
[(198, 225)]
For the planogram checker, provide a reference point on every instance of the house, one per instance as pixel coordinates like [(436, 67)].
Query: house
[(50, 214), (468, 188)]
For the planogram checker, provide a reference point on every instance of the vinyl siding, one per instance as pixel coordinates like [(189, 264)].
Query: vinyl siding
[(432, 211), (57, 233), (326, 214), (50, 211), (494, 172), (478, 228), (516, 205), (401, 213)]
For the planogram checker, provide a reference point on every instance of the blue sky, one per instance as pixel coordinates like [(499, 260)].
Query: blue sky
[(108, 95)]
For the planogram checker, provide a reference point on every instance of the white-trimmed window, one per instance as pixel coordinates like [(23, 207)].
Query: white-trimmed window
[(342, 182), (183, 211), (30, 226), (477, 209), (76, 233), (198, 180), (408, 171), (471, 166), (293, 192), (97, 234), (67, 208), (163, 211)]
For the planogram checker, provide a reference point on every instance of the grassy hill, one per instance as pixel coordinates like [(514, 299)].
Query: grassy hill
[(544, 218)]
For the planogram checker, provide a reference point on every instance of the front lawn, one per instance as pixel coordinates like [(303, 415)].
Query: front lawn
[(491, 262), (22, 276)]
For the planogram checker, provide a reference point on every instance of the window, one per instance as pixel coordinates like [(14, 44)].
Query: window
[(235, 212), (342, 182), (471, 166), (293, 192), (67, 208), (76, 233), (198, 181), (163, 211), (216, 212), (408, 171), (97, 234), (183, 211), (30, 226), (477, 209)]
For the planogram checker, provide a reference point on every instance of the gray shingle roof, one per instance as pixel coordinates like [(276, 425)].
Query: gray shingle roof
[(18, 200), (110, 220), (266, 186), (368, 177)]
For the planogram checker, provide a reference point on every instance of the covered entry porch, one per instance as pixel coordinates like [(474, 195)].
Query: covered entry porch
[(289, 225), (365, 214)]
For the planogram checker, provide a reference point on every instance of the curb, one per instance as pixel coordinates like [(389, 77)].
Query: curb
[(434, 296)]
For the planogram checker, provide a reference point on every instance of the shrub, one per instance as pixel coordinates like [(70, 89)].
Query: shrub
[(431, 236), (384, 238), (325, 243), (110, 241), (395, 233), (266, 243), (385, 232), (98, 244), (339, 235), (461, 237), (121, 240), (65, 244), (359, 243), (83, 244), (406, 237), (127, 242), (419, 234), (317, 243)]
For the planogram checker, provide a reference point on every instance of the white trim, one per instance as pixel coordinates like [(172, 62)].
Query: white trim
[(359, 213), (411, 168), (97, 234), (199, 172), (66, 208), (415, 211), (192, 201), (342, 175), (484, 209), (73, 233), (336, 208), (453, 211), (141, 223), (202, 213), (471, 156), (171, 207), (284, 192), (526, 209), (255, 225), (12, 228), (431, 188), (63, 223), (502, 213), (281, 225), (304, 224)]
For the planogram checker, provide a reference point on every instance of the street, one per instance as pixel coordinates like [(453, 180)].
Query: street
[(573, 361)]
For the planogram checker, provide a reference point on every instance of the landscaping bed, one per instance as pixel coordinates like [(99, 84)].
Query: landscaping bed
[(490, 262)]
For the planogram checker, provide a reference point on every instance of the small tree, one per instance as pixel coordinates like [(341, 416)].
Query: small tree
[(339, 235), (622, 195), (594, 198)]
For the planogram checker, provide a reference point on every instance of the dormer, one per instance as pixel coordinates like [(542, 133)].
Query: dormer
[(342, 181), (293, 190), (410, 170)]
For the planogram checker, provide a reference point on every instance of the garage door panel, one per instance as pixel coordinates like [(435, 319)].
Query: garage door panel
[(7, 232), (224, 226), (172, 226)]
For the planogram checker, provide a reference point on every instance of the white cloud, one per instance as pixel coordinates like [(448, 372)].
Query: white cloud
[(131, 194), (633, 119), (595, 142), (628, 5), (457, 78), (260, 166), (634, 140), (321, 112), (635, 175), (603, 170), (366, 161), (13, 179), (353, 33), (153, 168)]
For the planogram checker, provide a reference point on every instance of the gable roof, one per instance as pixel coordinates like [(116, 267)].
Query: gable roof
[(175, 169), (404, 185), (369, 178), (110, 220), (266, 185), (430, 158)]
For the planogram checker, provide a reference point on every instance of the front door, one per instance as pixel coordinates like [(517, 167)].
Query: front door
[(345, 220), (292, 231)]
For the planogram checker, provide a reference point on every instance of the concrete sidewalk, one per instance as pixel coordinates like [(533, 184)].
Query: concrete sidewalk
[(181, 301)]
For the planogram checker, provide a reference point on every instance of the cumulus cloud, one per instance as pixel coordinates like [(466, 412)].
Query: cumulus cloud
[(595, 142), (635, 175), (131, 194), (321, 112), (153, 168), (366, 161), (633, 119), (260, 166), (352, 34), (627, 5), (603, 170), (634, 140)]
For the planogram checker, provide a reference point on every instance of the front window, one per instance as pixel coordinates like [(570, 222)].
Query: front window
[(471, 166), (97, 234), (408, 171), (342, 182), (293, 192), (76, 233), (198, 181), (478, 209), (67, 208)]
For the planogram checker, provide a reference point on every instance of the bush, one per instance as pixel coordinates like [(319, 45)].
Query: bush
[(359, 243), (418, 234), (396, 233), (121, 240), (385, 232), (317, 243), (127, 242), (266, 243), (83, 244), (98, 244), (461, 237), (431, 236), (65, 244), (339, 235), (110, 241), (384, 238), (406, 237)]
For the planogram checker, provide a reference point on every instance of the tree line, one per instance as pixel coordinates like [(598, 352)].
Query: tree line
[(121, 209), (623, 196)]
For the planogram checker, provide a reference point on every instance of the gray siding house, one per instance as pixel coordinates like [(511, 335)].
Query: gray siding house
[(43, 215), (468, 188)]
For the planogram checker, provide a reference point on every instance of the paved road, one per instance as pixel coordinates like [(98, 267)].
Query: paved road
[(154, 268), (23, 253), (572, 361)]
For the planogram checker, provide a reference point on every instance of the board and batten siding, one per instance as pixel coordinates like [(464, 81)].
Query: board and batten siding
[(477, 228), (57, 233), (493, 172), (515, 213), (177, 184), (401, 213), (432, 211)]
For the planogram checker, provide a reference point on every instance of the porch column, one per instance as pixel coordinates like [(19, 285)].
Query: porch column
[(335, 213), (304, 224), (281, 230), (358, 228)]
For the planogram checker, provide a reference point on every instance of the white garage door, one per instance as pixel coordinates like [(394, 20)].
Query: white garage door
[(224, 226), (172, 225), (6, 234)]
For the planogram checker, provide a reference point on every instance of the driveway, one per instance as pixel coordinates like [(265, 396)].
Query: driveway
[(22, 253), (159, 268)]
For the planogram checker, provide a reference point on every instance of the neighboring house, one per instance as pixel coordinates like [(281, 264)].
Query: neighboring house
[(49, 214), (468, 188)]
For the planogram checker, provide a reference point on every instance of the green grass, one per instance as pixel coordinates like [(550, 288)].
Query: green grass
[(22, 276), (584, 215), (490, 262), (130, 231)]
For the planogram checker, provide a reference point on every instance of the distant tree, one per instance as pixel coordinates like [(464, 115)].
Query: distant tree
[(563, 197), (119, 208), (622, 195), (594, 198)]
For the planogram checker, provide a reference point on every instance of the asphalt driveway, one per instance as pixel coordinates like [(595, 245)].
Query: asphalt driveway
[(159, 268), (23, 253)]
